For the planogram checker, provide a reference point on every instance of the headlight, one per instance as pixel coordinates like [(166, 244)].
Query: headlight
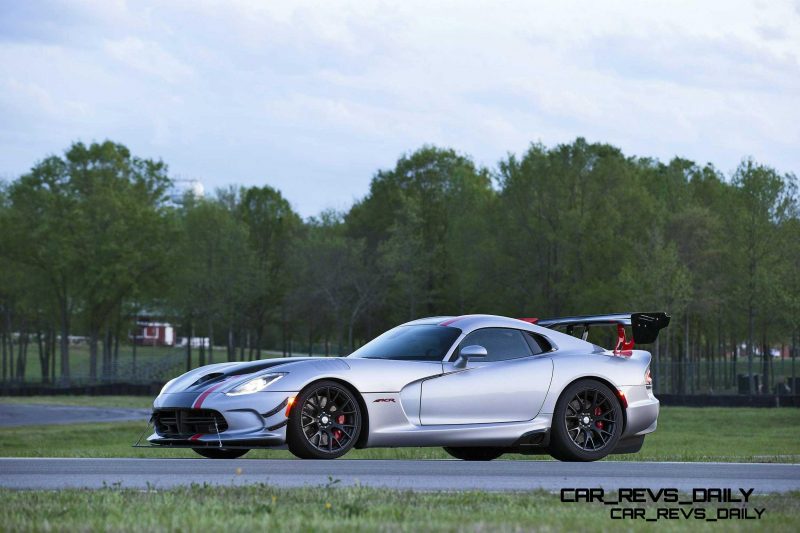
[(255, 385), (166, 385)]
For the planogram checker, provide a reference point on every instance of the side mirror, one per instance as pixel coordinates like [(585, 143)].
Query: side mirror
[(473, 351)]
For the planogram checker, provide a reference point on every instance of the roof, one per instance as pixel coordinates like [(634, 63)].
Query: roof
[(469, 321)]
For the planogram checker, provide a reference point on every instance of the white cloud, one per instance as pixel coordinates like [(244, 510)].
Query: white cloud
[(148, 57), (313, 97)]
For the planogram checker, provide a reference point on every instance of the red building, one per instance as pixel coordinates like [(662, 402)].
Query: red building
[(153, 334)]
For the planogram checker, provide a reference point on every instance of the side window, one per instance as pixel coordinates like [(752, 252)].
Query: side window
[(500, 343), (538, 343)]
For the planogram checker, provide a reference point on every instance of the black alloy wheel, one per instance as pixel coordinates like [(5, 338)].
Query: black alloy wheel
[(324, 422), (587, 422), (220, 453)]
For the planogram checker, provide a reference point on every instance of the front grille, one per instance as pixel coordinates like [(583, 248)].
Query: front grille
[(188, 422)]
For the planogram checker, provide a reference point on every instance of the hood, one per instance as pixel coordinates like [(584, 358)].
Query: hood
[(206, 377)]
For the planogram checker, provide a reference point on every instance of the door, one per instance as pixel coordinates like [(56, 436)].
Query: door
[(508, 385)]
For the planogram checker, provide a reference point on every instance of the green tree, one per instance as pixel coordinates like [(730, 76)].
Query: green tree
[(334, 274), (411, 218), (86, 223), (212, 267), (272, 228), (570, 220), (124, 233), (762, 203)]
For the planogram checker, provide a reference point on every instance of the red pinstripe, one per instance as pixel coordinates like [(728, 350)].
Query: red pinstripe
[(200, 399), (450, 321)]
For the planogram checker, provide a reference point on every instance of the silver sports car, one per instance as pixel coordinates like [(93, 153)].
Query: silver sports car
[(477, 385)]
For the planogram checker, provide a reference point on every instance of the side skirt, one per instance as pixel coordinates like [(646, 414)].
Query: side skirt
[(532, 443)]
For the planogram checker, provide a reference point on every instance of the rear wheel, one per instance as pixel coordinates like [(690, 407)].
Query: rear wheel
[(475, 453), (325, 421), (220, 453), (587, 422)]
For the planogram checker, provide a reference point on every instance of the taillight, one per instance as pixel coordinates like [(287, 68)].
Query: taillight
[(622, 399), (648, 379)]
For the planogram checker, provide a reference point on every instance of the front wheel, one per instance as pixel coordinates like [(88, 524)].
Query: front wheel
[(475, 453), (325, 421), (587, 422), (220, 453)]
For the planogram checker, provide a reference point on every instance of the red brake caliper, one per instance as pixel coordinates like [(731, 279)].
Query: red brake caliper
[(598, 412), (337, 433)]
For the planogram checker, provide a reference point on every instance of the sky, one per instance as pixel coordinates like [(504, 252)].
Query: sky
[(314, 97)]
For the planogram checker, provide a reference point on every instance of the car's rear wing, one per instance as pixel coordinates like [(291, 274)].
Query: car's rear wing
[(645, 326)]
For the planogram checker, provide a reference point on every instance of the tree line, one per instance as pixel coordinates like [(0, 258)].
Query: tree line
[(91, 239)]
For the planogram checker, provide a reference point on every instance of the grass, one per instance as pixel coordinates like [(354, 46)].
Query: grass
[(133, 402), (739, 434), (684, 434), (263, 508), (692, 434)]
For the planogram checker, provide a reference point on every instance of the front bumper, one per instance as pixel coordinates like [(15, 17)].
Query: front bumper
[(256, 420)]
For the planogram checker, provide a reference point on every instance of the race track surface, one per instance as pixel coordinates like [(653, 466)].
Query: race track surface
[(39, 473), (32, 415)]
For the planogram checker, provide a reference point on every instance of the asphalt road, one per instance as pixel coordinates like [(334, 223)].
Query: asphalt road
[(30, 414), (38, 473)]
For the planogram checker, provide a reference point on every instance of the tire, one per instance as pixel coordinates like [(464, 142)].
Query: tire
[(325, 421), (475, 453), (220, 453), (587, 422)]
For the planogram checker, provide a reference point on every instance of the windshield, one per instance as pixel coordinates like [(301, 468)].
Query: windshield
[(410, 343)]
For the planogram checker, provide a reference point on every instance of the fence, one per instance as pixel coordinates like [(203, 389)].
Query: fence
[(704, 377), (146, 365), (710, 377)]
